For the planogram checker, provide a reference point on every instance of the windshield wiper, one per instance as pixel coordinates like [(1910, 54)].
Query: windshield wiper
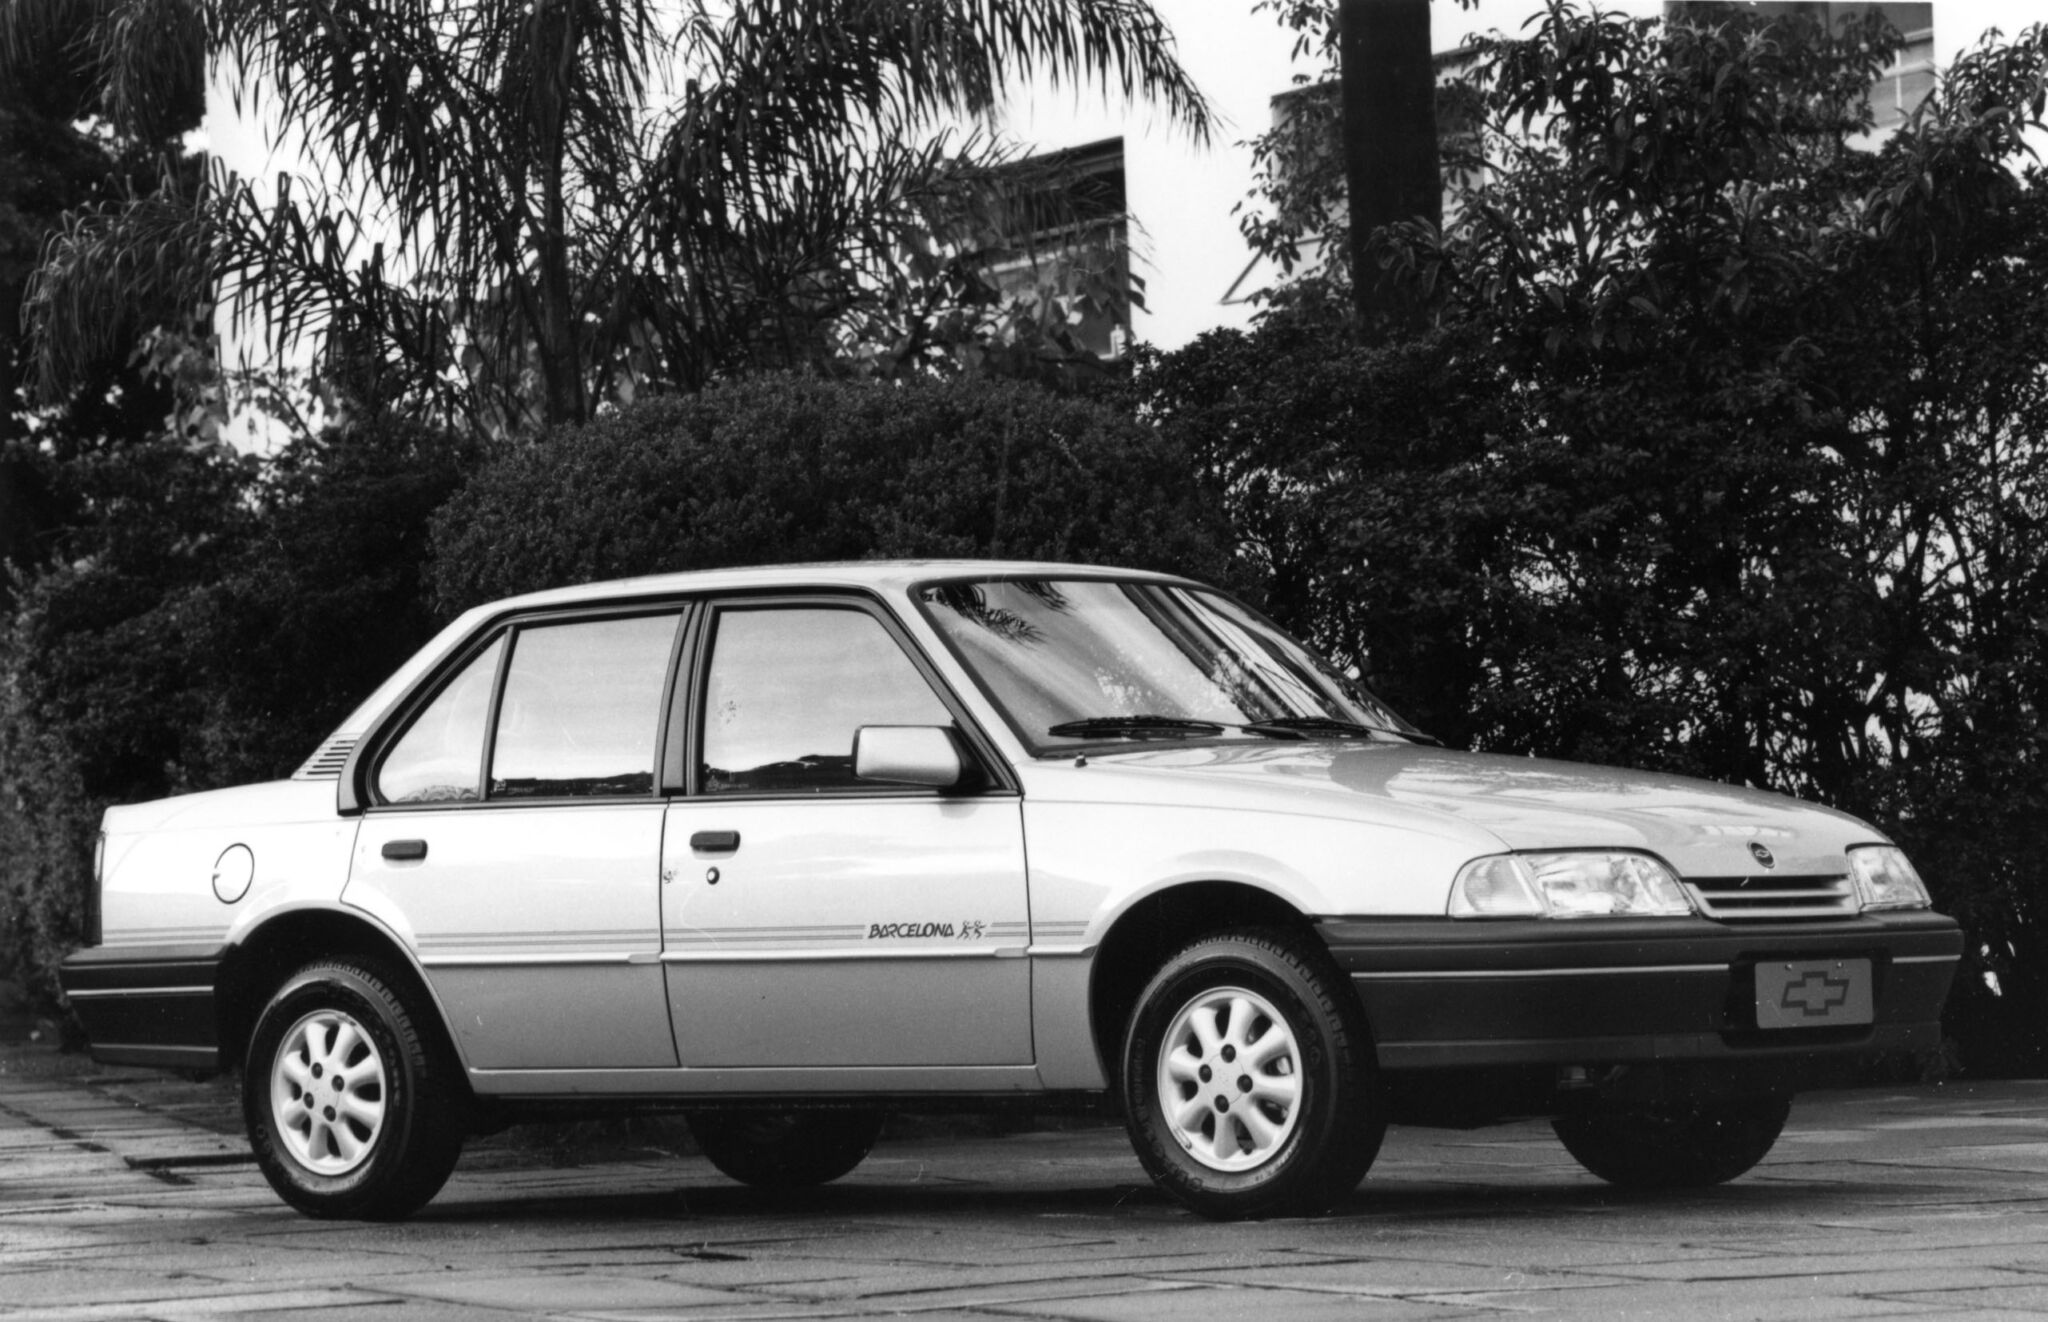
[(1135, 727), (1304, 727)]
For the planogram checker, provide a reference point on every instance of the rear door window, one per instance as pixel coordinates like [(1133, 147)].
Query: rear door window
[(582, 709), (440, 759)]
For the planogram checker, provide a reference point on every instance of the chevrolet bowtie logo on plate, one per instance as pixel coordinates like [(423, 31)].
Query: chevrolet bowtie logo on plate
[(1814, 995), (1762, 855)]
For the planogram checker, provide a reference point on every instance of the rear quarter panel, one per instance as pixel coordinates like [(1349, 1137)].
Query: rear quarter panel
[(160, 857)]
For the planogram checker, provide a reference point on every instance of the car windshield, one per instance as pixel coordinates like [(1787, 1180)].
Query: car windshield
[(1089, 660)]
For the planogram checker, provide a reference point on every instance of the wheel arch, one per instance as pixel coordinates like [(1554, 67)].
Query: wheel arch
[(272, 951), (1141, 939)]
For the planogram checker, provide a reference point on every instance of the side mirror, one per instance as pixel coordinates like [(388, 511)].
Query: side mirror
[(907, 755)]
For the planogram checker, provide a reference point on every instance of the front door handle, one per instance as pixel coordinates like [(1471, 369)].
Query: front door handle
[(715, 842), (405, 851)]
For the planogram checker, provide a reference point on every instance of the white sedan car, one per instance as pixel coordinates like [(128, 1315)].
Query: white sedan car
[(788, 848)]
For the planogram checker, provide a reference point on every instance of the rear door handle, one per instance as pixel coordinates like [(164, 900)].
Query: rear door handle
[(405, 851), (715, 842)]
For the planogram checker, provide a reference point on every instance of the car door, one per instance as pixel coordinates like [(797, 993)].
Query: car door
[(810, 919), (515, 839)]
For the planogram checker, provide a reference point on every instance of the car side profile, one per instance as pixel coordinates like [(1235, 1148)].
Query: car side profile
[(788, 848)]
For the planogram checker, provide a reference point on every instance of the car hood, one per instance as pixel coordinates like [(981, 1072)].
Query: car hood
[(1700, 827)]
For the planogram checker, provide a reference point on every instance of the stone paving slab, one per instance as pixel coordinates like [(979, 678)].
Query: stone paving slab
[(128, 1195)]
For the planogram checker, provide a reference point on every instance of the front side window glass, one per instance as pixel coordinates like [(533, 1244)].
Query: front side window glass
[(1082, 659), (582, 709), (441, 758), (787, 689)]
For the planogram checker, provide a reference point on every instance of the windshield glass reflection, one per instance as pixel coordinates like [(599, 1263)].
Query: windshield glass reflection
[(1075, 660)]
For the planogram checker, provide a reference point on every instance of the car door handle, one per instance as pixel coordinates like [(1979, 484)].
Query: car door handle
[(405, 851), (715, 842)]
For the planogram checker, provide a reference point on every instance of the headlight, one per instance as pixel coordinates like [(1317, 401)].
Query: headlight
[(1885, 878), (1578, 884)]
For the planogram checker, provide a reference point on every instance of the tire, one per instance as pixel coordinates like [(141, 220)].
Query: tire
[(785, 1149), (1291, 1133), (1675, 1147), (386, 1139)]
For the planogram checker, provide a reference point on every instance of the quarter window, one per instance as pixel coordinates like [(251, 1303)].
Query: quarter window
[(582, 709), (787, 689), (441, 758)]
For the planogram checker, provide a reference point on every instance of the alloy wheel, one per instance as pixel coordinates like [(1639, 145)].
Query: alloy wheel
[(1230, 1079), (327, 1092)]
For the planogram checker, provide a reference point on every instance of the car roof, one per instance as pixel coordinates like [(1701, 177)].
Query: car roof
[(872, 574)]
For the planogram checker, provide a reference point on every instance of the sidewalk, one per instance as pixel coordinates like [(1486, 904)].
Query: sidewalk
[(129, 1194)]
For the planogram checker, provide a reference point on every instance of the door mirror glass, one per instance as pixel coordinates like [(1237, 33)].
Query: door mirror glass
[(907, 755)]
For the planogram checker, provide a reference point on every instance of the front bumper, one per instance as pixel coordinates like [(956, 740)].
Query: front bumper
[(1445, 994)]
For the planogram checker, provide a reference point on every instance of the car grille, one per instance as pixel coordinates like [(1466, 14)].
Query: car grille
[(326, 764), (1774, 899)]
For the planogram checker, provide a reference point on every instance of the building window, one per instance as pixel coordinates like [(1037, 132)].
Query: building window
[(1899, 90), (1067, 253)]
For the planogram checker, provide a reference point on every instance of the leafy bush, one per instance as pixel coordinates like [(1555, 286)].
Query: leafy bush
[(789, 468), (216, 619), (95, 706), (324, 600)]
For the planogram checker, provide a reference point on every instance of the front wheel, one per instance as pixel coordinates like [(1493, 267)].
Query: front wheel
[(785, 1149), (1250, 1087), (349, 1096), (1675, 1147)]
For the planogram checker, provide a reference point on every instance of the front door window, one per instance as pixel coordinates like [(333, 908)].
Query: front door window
[(788, 688)]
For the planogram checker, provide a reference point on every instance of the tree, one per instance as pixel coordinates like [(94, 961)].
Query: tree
[(57, 153), (1359, 150), (1390, 144), (1722, 453), (578, 199)]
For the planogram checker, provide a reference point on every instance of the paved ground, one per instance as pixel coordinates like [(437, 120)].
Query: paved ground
[(119, 1198)]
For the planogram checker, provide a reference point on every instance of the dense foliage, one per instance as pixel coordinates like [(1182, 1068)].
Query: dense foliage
[(213, 618), (59, 154), (791, 468), (1724, 453)]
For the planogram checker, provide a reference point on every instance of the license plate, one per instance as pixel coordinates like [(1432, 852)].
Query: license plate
[(1813, 993)]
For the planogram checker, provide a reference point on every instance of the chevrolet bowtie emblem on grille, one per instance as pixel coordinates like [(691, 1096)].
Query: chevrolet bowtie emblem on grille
[(1762, 855), (1815, 994)]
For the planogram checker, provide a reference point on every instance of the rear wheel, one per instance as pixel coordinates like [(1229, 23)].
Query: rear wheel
[(349, 1098), (785, 1149), (1249, 1081), (1675, 1147)]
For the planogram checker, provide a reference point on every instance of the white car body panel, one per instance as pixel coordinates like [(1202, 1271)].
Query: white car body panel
[(160, 859), (836, 927)]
